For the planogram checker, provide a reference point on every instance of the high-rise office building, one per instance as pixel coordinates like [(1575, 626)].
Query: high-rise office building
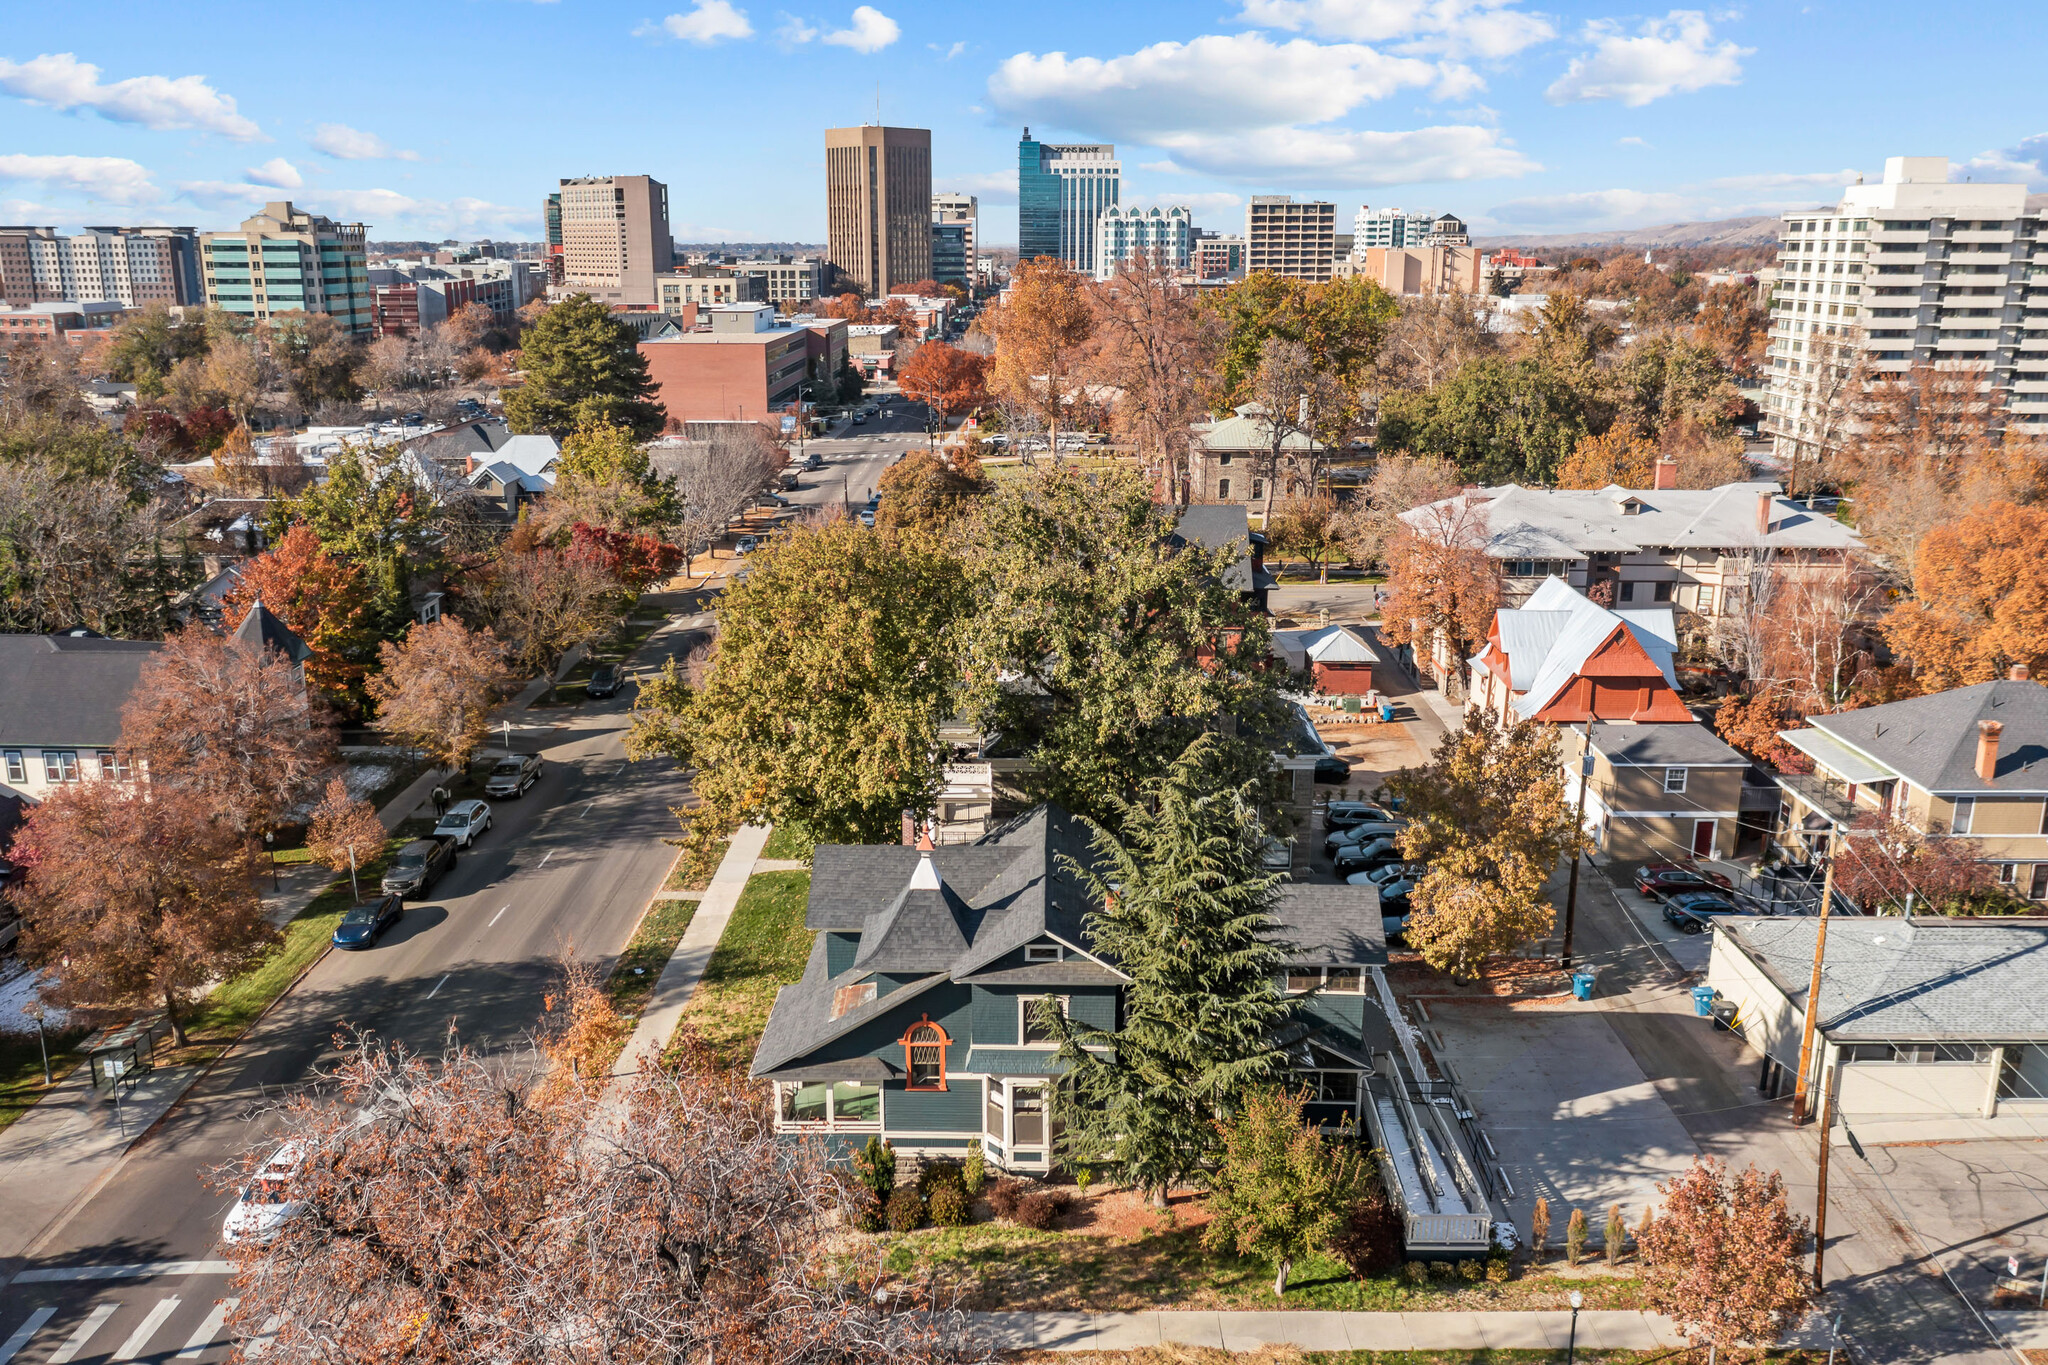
[(955, 229), (1062, 189), (1298, 241), (1387, 227), (1914, 271), (1166, 236), (551, 254), (284, 260), (878, 205), (615, 238), (133, 266)]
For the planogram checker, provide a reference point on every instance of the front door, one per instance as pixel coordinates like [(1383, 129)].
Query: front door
[(1703, 838), (1017, 1133)]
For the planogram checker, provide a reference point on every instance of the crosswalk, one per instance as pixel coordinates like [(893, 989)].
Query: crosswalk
[(149, 1327)]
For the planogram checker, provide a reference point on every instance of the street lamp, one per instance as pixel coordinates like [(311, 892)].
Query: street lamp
[(34, 1010), (1571, 1349)]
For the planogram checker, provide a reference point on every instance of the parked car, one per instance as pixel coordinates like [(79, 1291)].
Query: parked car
[(604, 681), (1363, 833), (1345, 814), (860, 419), (1375, 853), (362, 923), (1663, 879), (268, 1201), (414, 419), (1393, 895), (464, 821), (1394, 928), (746, 544), (418, 866), (512, 775), (867, 517), (1694, 910), (1330, 768), (1386, 874)]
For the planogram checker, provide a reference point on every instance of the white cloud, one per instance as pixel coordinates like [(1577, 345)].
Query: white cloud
[(947, 53), (219, 194), (2026, 160), (1163, 167), (60, 81), (990, 187), (388, 211), (794, 30), (344, 143), (1829, 183), (113, 178), (1630, 142), (870, 31), (277, 172), (1488, 29), (708, 22), (1737, 196), (1342, 156), (1669, 55)]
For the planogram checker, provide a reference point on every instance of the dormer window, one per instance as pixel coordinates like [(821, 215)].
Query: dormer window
[(1631, 507), (1042, 952), (924, 1056)]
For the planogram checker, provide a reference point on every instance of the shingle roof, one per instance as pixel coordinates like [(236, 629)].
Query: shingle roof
[(262, 629), (1890, 978), (67, 689), (1559, 523), (1217, 526), (1932, 741), (1337, 926), (1676, 745)]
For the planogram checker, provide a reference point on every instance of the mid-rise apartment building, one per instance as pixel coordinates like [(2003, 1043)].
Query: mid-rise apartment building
[(1166, 236), (131, 266), (1216, 257), (708, 286), (551, 248), (1062, 189), (1417, 270), (407, 296), (878, 205), (785, 279), (955, 221), (615, 238), (1298, 241), (285, 260), (1913, 271), (1388, 227)]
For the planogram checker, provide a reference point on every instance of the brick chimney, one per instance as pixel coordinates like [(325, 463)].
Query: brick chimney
[(1987, 748), (1665, 475), (1763, 512), (909, 828), (2019, 673)]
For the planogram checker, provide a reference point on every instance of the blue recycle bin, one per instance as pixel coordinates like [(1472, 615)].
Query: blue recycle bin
[(1387, 711), (1703, 1001), (1582, 985)]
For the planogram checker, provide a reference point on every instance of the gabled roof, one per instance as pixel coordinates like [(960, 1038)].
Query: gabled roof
[(1656, 746), (261, 629), (461, 442), (67, 689), (530, 454), (1932, 741), (1220, 526), (508, 475), (1566, 523), (1566, 631), (1327, 645)]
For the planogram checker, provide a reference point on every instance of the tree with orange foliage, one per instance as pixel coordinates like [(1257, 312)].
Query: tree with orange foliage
[(1751, 723), (1617, 457), (1444, 589), (435, 691), (946, 379), (637, 560), (321, 598), (1731, 322), (1158, 348), (1889, 868), (345, 833), (1726, 1258), (849, 306), (1041, 334), (1980, 596)]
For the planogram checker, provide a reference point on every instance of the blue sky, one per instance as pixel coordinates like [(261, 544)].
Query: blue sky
[(455, 117)]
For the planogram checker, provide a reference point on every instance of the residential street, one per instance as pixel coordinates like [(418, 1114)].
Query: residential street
[(568, 868)]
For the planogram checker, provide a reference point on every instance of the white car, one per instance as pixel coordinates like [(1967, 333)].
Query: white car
[(464, 821), (266, 1203)]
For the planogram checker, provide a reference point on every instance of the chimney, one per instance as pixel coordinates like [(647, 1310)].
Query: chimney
[(909, 829), (1666, 475), (2020, 673), (1763, 512), (1987, 749)]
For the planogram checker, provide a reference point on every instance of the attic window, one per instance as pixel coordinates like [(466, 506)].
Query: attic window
[(924, 1056), (1042, 952), (1630, 507)]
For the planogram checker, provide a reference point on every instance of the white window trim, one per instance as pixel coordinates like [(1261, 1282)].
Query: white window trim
[(1679, 789), (17, 768), (832, 1123), (1024, 1004), (1058, 952), (1963, 816)]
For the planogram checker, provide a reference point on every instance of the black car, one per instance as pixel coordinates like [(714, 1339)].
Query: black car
[(1330, 768), (418, 866), (414, 419), (604, 681), (368, 918), (1694, 911)]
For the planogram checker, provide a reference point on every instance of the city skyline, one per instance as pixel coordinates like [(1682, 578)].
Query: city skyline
[(1515, 117)]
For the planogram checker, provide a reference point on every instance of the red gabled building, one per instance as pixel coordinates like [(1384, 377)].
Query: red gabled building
[(1560, 658)]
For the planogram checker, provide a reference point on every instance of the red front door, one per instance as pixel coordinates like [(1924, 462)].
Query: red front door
[(1703, 838)]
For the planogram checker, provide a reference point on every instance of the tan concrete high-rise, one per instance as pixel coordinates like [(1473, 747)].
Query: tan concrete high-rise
[(615, 238), (1298, 241), (878, 205)]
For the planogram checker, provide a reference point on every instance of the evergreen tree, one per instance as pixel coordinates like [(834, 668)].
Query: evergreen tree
[(1186, 913), (583, 369)]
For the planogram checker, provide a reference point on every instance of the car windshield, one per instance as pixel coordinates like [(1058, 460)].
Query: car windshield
[(510, 765), (602, 673), (458, 821), (409, 862), (361, 914)]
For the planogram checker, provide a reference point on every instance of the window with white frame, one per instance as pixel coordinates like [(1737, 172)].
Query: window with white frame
[(112, 766), (829, 1104), (1330, 980), (60, 765), (17, 771), (1966, 811), (1030, 1032), (1674, 779)]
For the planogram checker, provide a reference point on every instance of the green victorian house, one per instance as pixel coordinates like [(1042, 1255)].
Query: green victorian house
[(914, 1017)]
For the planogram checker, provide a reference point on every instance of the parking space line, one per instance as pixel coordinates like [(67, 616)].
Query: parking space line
[(500, 915), (543, 860), (35, 1322), (438, 985)]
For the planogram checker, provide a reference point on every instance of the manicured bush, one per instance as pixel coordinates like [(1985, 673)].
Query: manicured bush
[(1497, 1271), (869, 1212), (1575, 1234), (1443, 1270), (1370, 1242), (938, 1175), (1040, 1209), (1539, 1230), (875, 1167), (1470, 1271), (949, 1206), (1004, 1194), (1415, 1272), (1617, 1234), (906, 1210), (975, 1173)]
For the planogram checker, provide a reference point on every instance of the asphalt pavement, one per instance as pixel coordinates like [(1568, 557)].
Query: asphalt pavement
[(135, 1272)]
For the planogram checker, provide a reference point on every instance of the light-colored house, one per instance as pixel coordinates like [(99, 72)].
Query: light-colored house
[(1969, 762), (1660, 792), (1228, 462)]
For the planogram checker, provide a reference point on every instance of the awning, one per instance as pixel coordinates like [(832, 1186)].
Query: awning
[(1837, 757)]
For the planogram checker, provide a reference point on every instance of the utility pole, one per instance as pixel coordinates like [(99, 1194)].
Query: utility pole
[(1820, 1199), (1820, 943), (1571, 895)]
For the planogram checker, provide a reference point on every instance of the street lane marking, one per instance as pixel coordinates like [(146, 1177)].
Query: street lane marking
[(543, 860), (208, 1330), (438, 985), (93, 1322), (138, 1340), (500, 915), (24, 1332), (148, 1270)]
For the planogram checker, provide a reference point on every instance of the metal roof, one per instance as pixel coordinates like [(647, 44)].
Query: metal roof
[(1837, 757)]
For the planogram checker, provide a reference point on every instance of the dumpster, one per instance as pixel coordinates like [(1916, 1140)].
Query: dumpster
[(1703, 1001), (1582, 985)]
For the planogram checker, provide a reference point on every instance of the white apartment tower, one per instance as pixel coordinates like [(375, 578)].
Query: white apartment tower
[(1387, 227), (1913, 271), (964, 209), (1165, 236)]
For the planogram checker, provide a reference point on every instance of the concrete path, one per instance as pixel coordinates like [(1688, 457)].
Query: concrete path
[(678, 981)]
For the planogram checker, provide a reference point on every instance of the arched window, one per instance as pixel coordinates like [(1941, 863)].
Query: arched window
[(924, 1056)]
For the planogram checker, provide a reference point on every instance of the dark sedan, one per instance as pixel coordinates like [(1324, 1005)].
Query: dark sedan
[(604, 681), (1694, 911), (1345, 814), (1668, 879), (367, 919), (1369, 856)]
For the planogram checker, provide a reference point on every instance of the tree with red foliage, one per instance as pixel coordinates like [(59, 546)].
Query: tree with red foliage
[(946, 379), (1751, 723), (1726, 1258), (635, 560), (142, 898), (321, 598), (1885, 866), (199, 432)]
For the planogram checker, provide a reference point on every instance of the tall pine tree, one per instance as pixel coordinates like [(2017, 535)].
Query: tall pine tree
[(1187, 914)]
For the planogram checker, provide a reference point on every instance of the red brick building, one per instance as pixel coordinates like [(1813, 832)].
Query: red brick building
[(742, 370)]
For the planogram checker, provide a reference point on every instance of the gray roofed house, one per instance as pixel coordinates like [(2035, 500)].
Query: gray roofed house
[(1217, 528), (912, 1019), (261, 628), (60, 707)]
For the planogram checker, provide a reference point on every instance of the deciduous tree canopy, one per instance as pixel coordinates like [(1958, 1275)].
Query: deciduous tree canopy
[(1980, 596), (436, 689)]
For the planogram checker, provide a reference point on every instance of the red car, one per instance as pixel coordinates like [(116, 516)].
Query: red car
[(1669, 879)]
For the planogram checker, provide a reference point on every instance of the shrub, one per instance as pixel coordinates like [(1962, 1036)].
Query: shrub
[(949, 1206), (1370, 1241), (906, 1210), (1443, 1270), (1497, 1272), (1415, 1272), (1616, 1234), (1084, 1176), (1539, 1230), (868, 1214), (875, 1167), (1040, 1209), (1575, 1237), (975, 1173), (1470, 1271), (940, 1174), (1003, 1196)]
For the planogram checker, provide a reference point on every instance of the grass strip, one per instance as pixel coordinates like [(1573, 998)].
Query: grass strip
[(764, 948), (784, 841), (654, 943)]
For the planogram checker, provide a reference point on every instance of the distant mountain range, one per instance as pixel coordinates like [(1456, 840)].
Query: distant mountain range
[(1726, 232)]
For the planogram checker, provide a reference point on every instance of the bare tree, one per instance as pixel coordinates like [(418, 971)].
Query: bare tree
[(1434, 336), (1399, 484), (1159, 348), (545, 602), (1297, 402), (1826, 384), (79, 550), (716, 477)]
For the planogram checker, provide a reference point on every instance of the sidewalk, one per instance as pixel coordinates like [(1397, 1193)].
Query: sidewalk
[(685, 967)]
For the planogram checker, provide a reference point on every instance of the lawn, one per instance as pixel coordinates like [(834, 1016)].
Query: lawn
[(784, 841), (654, 942), (21, 1068), (691, 873), (763, 949)]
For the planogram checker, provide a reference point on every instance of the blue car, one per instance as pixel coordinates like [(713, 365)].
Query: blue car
[(1694, 911), (367, 919)]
